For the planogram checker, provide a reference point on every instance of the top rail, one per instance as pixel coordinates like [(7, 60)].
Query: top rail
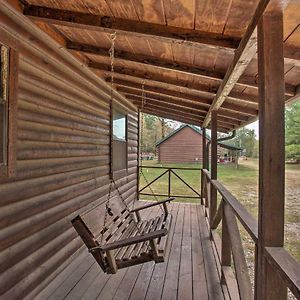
[(173, 168), (247, 220)]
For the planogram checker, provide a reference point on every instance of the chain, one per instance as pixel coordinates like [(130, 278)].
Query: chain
[(141, 169), (113, 37)]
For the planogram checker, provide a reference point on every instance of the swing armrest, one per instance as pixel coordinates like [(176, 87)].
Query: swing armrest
[(153, 204), (132, 240)]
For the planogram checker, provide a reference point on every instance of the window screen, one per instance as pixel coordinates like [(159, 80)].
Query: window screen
[(119, 141)]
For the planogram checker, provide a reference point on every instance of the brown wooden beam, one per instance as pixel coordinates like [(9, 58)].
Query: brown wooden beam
[(225, 113), (269, 285), (183, 96), (175, 117), (191, 109), (187, 69), (168, 81), (163, 33), (205, 101), (242, 58)]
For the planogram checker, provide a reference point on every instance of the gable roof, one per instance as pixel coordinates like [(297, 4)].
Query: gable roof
[(199, 131)]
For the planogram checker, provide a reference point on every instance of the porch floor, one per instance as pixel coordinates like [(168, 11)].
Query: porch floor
[(189, 272)]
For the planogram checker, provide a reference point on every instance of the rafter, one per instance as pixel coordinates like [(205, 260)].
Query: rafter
[(132, 74), (164, 64), (103, 23), (242, 58), (184, 97), (175, 117), (224, 114), (186, 111)]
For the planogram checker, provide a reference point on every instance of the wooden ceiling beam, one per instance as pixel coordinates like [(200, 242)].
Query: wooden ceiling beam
[(231, 116), (175, 117), (179, 110), (185, 97), (170, 102), (205, 101), (242, 57), (155, 62), (189, 37), (191, 86)]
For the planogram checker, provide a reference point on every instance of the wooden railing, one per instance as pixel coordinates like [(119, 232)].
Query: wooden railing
[(169, 171), (230, 245)]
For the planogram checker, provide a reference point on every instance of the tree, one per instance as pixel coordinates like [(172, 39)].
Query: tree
[(292, 129), (245, 138), (153, 129)]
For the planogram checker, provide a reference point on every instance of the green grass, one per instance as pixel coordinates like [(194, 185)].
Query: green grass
[(242, 183)]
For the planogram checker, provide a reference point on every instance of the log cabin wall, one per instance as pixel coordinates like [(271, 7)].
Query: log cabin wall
[(184, 146), (62, 159)]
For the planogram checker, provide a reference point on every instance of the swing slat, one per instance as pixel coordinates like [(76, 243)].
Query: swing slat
[(127, 242)]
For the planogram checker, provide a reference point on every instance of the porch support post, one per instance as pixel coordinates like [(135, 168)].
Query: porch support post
[(203, 162), (214, 167), (271, 152)]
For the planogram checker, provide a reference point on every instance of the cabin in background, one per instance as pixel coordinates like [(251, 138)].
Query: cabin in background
[(184, 145)]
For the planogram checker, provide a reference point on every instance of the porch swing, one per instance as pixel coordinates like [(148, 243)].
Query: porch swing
[(125, 239)]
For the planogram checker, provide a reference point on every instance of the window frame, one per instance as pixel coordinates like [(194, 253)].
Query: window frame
[(119, 172), (8, 168)]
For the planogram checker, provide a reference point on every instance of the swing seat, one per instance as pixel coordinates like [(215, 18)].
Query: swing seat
[(128, 240)]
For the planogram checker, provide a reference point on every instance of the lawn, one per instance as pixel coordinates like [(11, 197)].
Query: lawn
[(243, 183)]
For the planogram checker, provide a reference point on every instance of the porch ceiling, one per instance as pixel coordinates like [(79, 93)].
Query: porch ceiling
[(192, 56)]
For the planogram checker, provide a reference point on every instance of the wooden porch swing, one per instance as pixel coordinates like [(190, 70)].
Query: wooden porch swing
[(126, 240)]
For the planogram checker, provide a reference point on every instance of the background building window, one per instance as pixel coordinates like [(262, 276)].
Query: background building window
[(119, 140), (4, 79)]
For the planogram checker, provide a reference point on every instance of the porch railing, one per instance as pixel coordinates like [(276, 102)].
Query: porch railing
[(169, 171), (230, 244)]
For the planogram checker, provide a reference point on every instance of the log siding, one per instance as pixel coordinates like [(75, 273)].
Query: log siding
[(62, 161)]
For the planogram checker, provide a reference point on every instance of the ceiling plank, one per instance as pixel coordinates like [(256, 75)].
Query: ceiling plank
[(224, 114), (242, 57), (164, 64), (104, 23), (178, 109), (175, 117), (122, 87), (168, 81)]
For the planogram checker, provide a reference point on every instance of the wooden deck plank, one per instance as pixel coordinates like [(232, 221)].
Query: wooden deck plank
[(61, 277), (199, 278), (185, 282), (212, 278), (158, 276), (141, 285), (171, 279), (189, 271), (96, 286), (62, 291), (84, 283)]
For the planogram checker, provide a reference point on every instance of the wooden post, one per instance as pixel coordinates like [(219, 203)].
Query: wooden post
[(169, 183), (203, 162), (226, 245), (271, 152), (214, 167)]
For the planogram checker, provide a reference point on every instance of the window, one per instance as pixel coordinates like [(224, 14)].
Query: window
[(4, 62), (119, 140)]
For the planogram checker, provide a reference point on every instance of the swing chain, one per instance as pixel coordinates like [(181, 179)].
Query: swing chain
[(142, 129)]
